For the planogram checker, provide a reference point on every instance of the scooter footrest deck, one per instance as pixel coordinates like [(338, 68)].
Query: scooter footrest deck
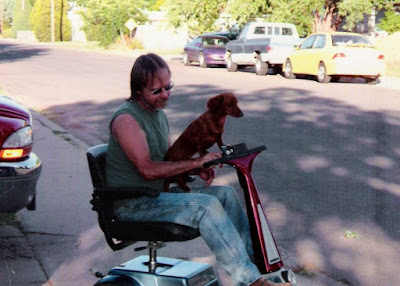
[(170, 271)]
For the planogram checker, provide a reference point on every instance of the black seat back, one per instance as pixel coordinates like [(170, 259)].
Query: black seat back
[(97, 162), (127, 233)]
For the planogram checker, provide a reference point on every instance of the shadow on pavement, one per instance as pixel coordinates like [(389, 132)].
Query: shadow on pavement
[(12, 52)]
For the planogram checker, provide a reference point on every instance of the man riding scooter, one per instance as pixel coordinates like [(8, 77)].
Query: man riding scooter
[(138, 142)]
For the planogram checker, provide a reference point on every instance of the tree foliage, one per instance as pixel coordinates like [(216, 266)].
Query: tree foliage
[(8, 11), (154, 5), (301, 13), (308, 15), (105, 20), (354, 11), (324, 15), (391, 22), (40, 19), (243, 13), (20, 22), (197, 15)]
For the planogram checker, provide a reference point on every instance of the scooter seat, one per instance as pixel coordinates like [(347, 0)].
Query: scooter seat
[(152, 231)]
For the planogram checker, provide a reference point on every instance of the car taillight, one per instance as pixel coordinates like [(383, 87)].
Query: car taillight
[(269, 49), (381, 57), (18, 144), (338, 55), (11, 153)]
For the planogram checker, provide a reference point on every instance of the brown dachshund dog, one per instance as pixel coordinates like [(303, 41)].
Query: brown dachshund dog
[(203, 133)]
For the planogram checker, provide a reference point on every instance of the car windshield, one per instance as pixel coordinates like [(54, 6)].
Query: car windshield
[(342, 40), (215, 42)]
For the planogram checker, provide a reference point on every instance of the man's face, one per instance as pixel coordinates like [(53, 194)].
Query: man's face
[(156, 94)]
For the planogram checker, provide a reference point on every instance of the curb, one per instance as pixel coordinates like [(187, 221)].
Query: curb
[(58, 130)]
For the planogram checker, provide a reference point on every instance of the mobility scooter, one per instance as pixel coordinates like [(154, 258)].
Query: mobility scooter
[(149, 270)]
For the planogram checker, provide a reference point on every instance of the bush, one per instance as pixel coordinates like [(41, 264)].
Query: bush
[(135, 44), (128, 43), (7, 33), (40, 19)]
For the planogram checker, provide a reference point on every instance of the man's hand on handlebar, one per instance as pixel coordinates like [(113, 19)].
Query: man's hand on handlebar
[(207, 158)]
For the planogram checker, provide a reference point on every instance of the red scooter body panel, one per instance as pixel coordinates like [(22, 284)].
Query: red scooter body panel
[(243, 167)]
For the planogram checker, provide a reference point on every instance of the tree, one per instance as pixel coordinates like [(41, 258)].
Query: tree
[(197, 15), (40, 19), (324, 15), (308, 15), (8, 11), (245, 13), (301, 13), (22, 9), (391, 22), (105, 20)]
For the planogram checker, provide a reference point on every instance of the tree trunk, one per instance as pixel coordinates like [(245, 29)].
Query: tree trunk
[(61, 21), (122, 37), (328, 22)]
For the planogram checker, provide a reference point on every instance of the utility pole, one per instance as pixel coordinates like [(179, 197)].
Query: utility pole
[(52, 21)]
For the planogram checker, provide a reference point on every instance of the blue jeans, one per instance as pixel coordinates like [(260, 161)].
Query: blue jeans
[(218, 214)]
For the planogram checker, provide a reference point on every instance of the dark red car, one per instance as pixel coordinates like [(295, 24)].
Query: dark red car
[(20, 168)]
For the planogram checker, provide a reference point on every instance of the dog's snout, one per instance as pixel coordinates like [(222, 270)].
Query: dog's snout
[(236, 112)]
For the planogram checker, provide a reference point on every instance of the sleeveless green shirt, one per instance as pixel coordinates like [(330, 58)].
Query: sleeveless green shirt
[(120, 171)]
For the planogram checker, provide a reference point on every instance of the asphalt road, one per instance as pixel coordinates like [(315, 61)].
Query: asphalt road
[(329, 179)]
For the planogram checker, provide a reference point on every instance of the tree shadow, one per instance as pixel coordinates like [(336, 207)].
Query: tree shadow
[(329, 179), (13, 52)]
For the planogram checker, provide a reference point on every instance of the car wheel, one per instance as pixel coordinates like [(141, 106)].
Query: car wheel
[(322, 76), (288, 70), (277, 69), (202, 61), (32, 205), (335, 78), (261, 67), (230, 65), (371, 81), (185, 60)]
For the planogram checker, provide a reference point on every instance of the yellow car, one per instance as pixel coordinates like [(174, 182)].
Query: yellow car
[(330, 55)]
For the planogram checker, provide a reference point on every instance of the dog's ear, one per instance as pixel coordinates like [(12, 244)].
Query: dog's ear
[(214, 103)]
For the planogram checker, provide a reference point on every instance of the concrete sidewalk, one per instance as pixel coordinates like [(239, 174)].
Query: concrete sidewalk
[(60, 243)]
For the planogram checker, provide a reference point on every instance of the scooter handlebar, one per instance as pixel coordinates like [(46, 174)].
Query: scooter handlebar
[(234, 152)]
